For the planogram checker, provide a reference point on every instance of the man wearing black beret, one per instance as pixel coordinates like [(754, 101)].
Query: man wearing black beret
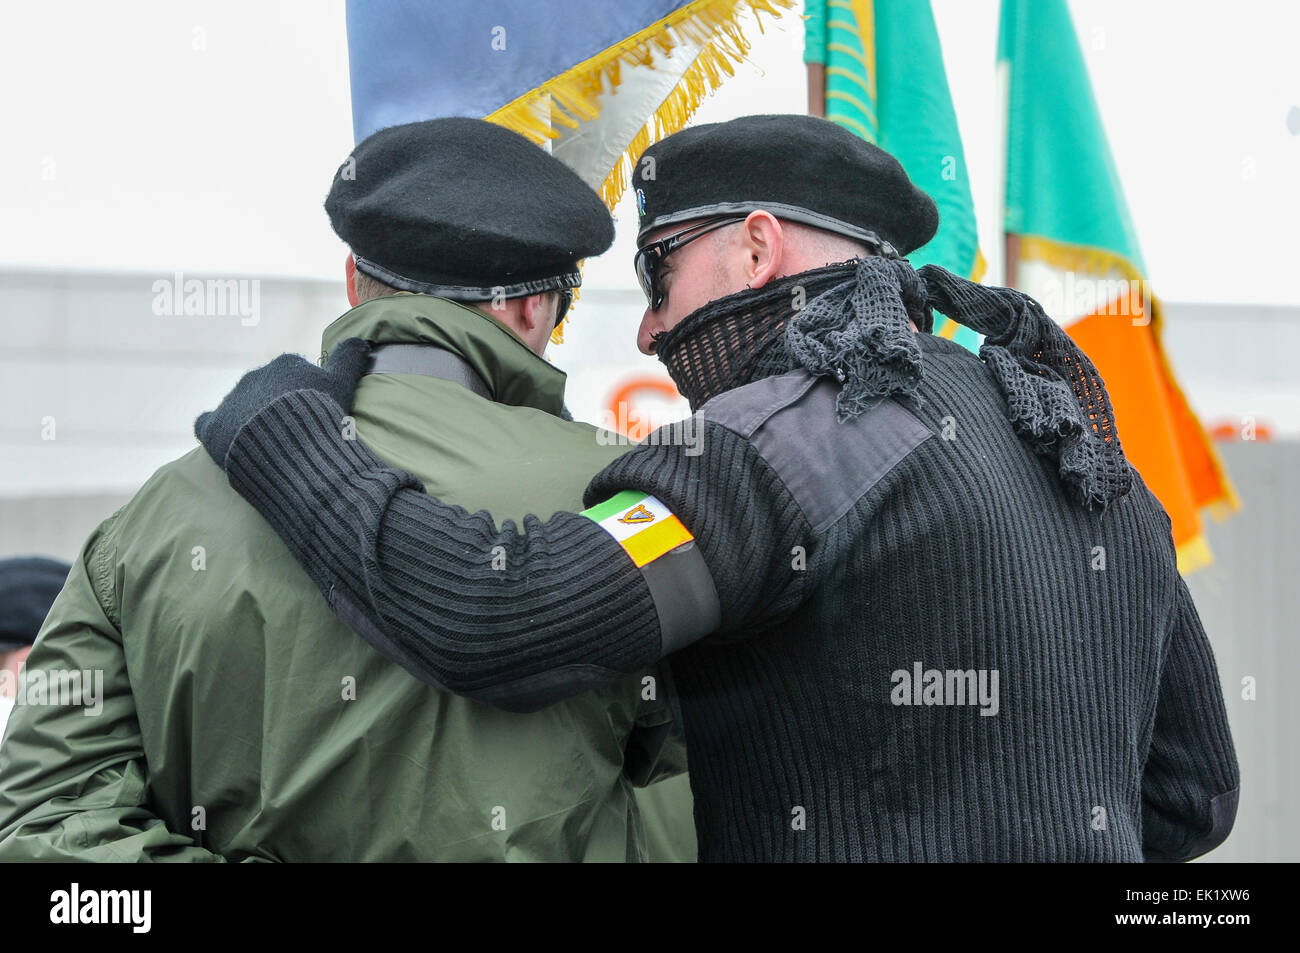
[(28, 585), (802, 191), (918, 604), (460, 209), (241, 720)]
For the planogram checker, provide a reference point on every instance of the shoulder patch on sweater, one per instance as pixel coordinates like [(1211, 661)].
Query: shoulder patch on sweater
[(827, 466)]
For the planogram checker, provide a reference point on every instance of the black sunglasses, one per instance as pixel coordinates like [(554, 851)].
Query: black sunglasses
[(565, 303), (649, 258)]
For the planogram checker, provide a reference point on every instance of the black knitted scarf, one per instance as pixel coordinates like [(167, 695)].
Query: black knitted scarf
[(852, 322), (741, 338)]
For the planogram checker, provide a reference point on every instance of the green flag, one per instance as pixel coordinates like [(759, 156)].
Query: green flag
[(1073, 247), (885, 81), (1061, 181)]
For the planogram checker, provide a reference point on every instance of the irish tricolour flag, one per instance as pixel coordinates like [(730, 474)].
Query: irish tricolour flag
[(1072, 246)]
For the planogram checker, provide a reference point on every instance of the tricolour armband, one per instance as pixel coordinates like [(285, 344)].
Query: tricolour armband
[(641, 524), (673, 567)]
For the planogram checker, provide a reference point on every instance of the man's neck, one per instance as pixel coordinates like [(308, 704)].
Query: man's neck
[(513, 372)]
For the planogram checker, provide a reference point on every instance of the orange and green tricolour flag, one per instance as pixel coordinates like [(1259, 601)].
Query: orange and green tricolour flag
[(885, 81), (1071, 245)]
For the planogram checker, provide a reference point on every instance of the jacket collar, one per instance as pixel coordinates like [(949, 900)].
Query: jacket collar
[(513, 373)]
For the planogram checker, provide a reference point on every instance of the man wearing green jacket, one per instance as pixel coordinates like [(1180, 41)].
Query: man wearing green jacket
[(239, 719)]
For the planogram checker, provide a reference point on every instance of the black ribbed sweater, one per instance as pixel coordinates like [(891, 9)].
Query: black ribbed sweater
[(1109, 741)]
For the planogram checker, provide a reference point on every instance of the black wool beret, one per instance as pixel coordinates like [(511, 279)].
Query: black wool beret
[(28, 585), (460, 207), (799, 168)]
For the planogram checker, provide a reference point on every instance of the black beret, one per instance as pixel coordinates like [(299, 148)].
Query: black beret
[(799, 168), (28, 585), (459, 207)]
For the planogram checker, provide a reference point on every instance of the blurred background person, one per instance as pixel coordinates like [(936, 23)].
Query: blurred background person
[(28, 586)]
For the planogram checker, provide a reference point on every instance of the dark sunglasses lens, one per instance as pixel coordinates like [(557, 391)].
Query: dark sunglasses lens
[(646, 261), (644, 274)]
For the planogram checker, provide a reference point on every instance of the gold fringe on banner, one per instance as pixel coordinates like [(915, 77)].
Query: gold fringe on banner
[(714, 25)]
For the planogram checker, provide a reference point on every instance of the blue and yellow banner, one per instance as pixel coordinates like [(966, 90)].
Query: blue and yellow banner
[(593, 81), (546, 68)]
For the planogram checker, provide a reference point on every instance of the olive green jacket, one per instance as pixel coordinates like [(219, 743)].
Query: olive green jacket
[(240, 720)]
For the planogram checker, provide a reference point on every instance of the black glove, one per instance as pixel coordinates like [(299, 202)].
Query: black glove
[(257, 389)]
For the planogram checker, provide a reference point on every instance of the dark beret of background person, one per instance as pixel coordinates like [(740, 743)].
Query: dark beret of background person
[(28, 587)]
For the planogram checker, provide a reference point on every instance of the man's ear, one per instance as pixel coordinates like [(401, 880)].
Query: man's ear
[(350, 271), (538, 310), (763, 242)]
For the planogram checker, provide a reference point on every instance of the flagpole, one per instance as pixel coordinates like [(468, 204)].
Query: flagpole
[(1012, 255), (1006, 246), (817, 89)]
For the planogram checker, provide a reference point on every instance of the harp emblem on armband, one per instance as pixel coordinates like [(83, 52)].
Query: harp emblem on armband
[(638, 514), (641, 524)]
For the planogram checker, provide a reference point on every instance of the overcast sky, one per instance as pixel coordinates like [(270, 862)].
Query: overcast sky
[(201, 136)]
